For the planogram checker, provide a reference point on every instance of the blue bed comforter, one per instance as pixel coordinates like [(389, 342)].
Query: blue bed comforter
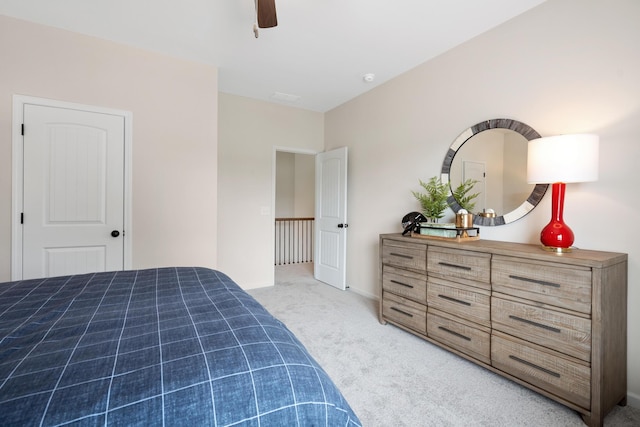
[(169, 346)]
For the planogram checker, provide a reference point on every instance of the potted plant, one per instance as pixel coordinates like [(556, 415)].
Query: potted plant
[(464, 216), (434, 200), (462, 196)]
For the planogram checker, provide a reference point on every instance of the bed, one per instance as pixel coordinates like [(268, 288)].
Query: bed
[(167, 346)]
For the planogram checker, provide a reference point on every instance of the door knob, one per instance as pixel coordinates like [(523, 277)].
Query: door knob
[(343, 225), (115, 233)]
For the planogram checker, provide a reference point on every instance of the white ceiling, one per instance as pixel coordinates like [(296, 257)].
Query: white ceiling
[(319, 51)]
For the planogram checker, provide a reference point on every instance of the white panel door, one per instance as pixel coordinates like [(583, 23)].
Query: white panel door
[(476, 171), (73, 194), (331, 218)]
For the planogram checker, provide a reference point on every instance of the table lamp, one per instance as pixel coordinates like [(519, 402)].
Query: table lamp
[(558, 160)]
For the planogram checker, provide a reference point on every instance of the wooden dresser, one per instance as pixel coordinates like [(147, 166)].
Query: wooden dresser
[(555, 323)]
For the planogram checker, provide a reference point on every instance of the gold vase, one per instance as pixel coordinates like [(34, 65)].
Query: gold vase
[(464, 220)]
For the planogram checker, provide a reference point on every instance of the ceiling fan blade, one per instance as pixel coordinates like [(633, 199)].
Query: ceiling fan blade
[(267, 13)]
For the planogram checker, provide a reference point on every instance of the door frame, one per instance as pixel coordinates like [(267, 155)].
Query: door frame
[(17, 168), (272, 212)]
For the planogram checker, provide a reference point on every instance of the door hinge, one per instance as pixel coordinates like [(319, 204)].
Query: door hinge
[(21, 217), (22, 129)]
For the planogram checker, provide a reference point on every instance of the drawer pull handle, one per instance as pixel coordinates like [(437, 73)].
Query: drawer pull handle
[(532, 323), (534, 366), (401, 312), (461, 267), (401, 284), (454, 333), (401, 255), (539, 282), (454, 300)]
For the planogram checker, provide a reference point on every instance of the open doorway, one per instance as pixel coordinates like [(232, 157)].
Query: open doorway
[(294, 209)]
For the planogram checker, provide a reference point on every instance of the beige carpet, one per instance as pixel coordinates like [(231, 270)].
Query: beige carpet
[(392, 378)]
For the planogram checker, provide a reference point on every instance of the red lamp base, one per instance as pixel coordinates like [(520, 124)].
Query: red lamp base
[(557, 236)]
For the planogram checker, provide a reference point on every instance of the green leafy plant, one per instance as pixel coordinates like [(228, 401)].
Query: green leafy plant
[(462, 196), (434, 200)]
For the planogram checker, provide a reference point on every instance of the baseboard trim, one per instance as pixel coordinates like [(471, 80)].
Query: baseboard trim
[(633, 399), (364, 294)]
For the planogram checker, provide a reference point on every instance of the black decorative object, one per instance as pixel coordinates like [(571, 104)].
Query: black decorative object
[(411, 221)]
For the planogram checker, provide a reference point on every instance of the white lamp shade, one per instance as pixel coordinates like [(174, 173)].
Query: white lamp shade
[(563, 158)]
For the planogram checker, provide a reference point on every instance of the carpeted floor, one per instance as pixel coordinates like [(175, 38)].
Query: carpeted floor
[(392, 378)]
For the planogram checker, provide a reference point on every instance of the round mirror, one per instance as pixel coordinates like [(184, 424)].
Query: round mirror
[(493, 153)]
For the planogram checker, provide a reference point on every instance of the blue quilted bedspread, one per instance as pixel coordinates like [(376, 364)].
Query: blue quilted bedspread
[(169, 346)]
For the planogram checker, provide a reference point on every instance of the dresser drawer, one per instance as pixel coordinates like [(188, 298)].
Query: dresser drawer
[(405, 283), (404, 255), (405, 312), (558, 375), (455, 264), (562, 332), (460, 336), (566, 287), (460, 300)]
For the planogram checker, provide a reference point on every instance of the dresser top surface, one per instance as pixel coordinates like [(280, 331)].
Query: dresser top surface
[(583, 257)]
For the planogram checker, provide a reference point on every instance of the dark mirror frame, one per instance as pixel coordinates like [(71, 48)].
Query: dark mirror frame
[(527, 206)]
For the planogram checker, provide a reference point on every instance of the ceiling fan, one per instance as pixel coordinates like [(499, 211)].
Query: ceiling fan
[(265, 15)]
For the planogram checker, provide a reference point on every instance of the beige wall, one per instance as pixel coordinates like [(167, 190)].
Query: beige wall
[(174, 107), (249, 132), (285, 185), (295, 185), (305, 185), (566, 66)]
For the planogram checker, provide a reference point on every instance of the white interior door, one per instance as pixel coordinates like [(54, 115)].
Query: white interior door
[(331, 218), (73, 191)]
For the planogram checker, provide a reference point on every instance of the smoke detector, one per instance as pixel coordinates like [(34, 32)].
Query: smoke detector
[(369, 77)]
